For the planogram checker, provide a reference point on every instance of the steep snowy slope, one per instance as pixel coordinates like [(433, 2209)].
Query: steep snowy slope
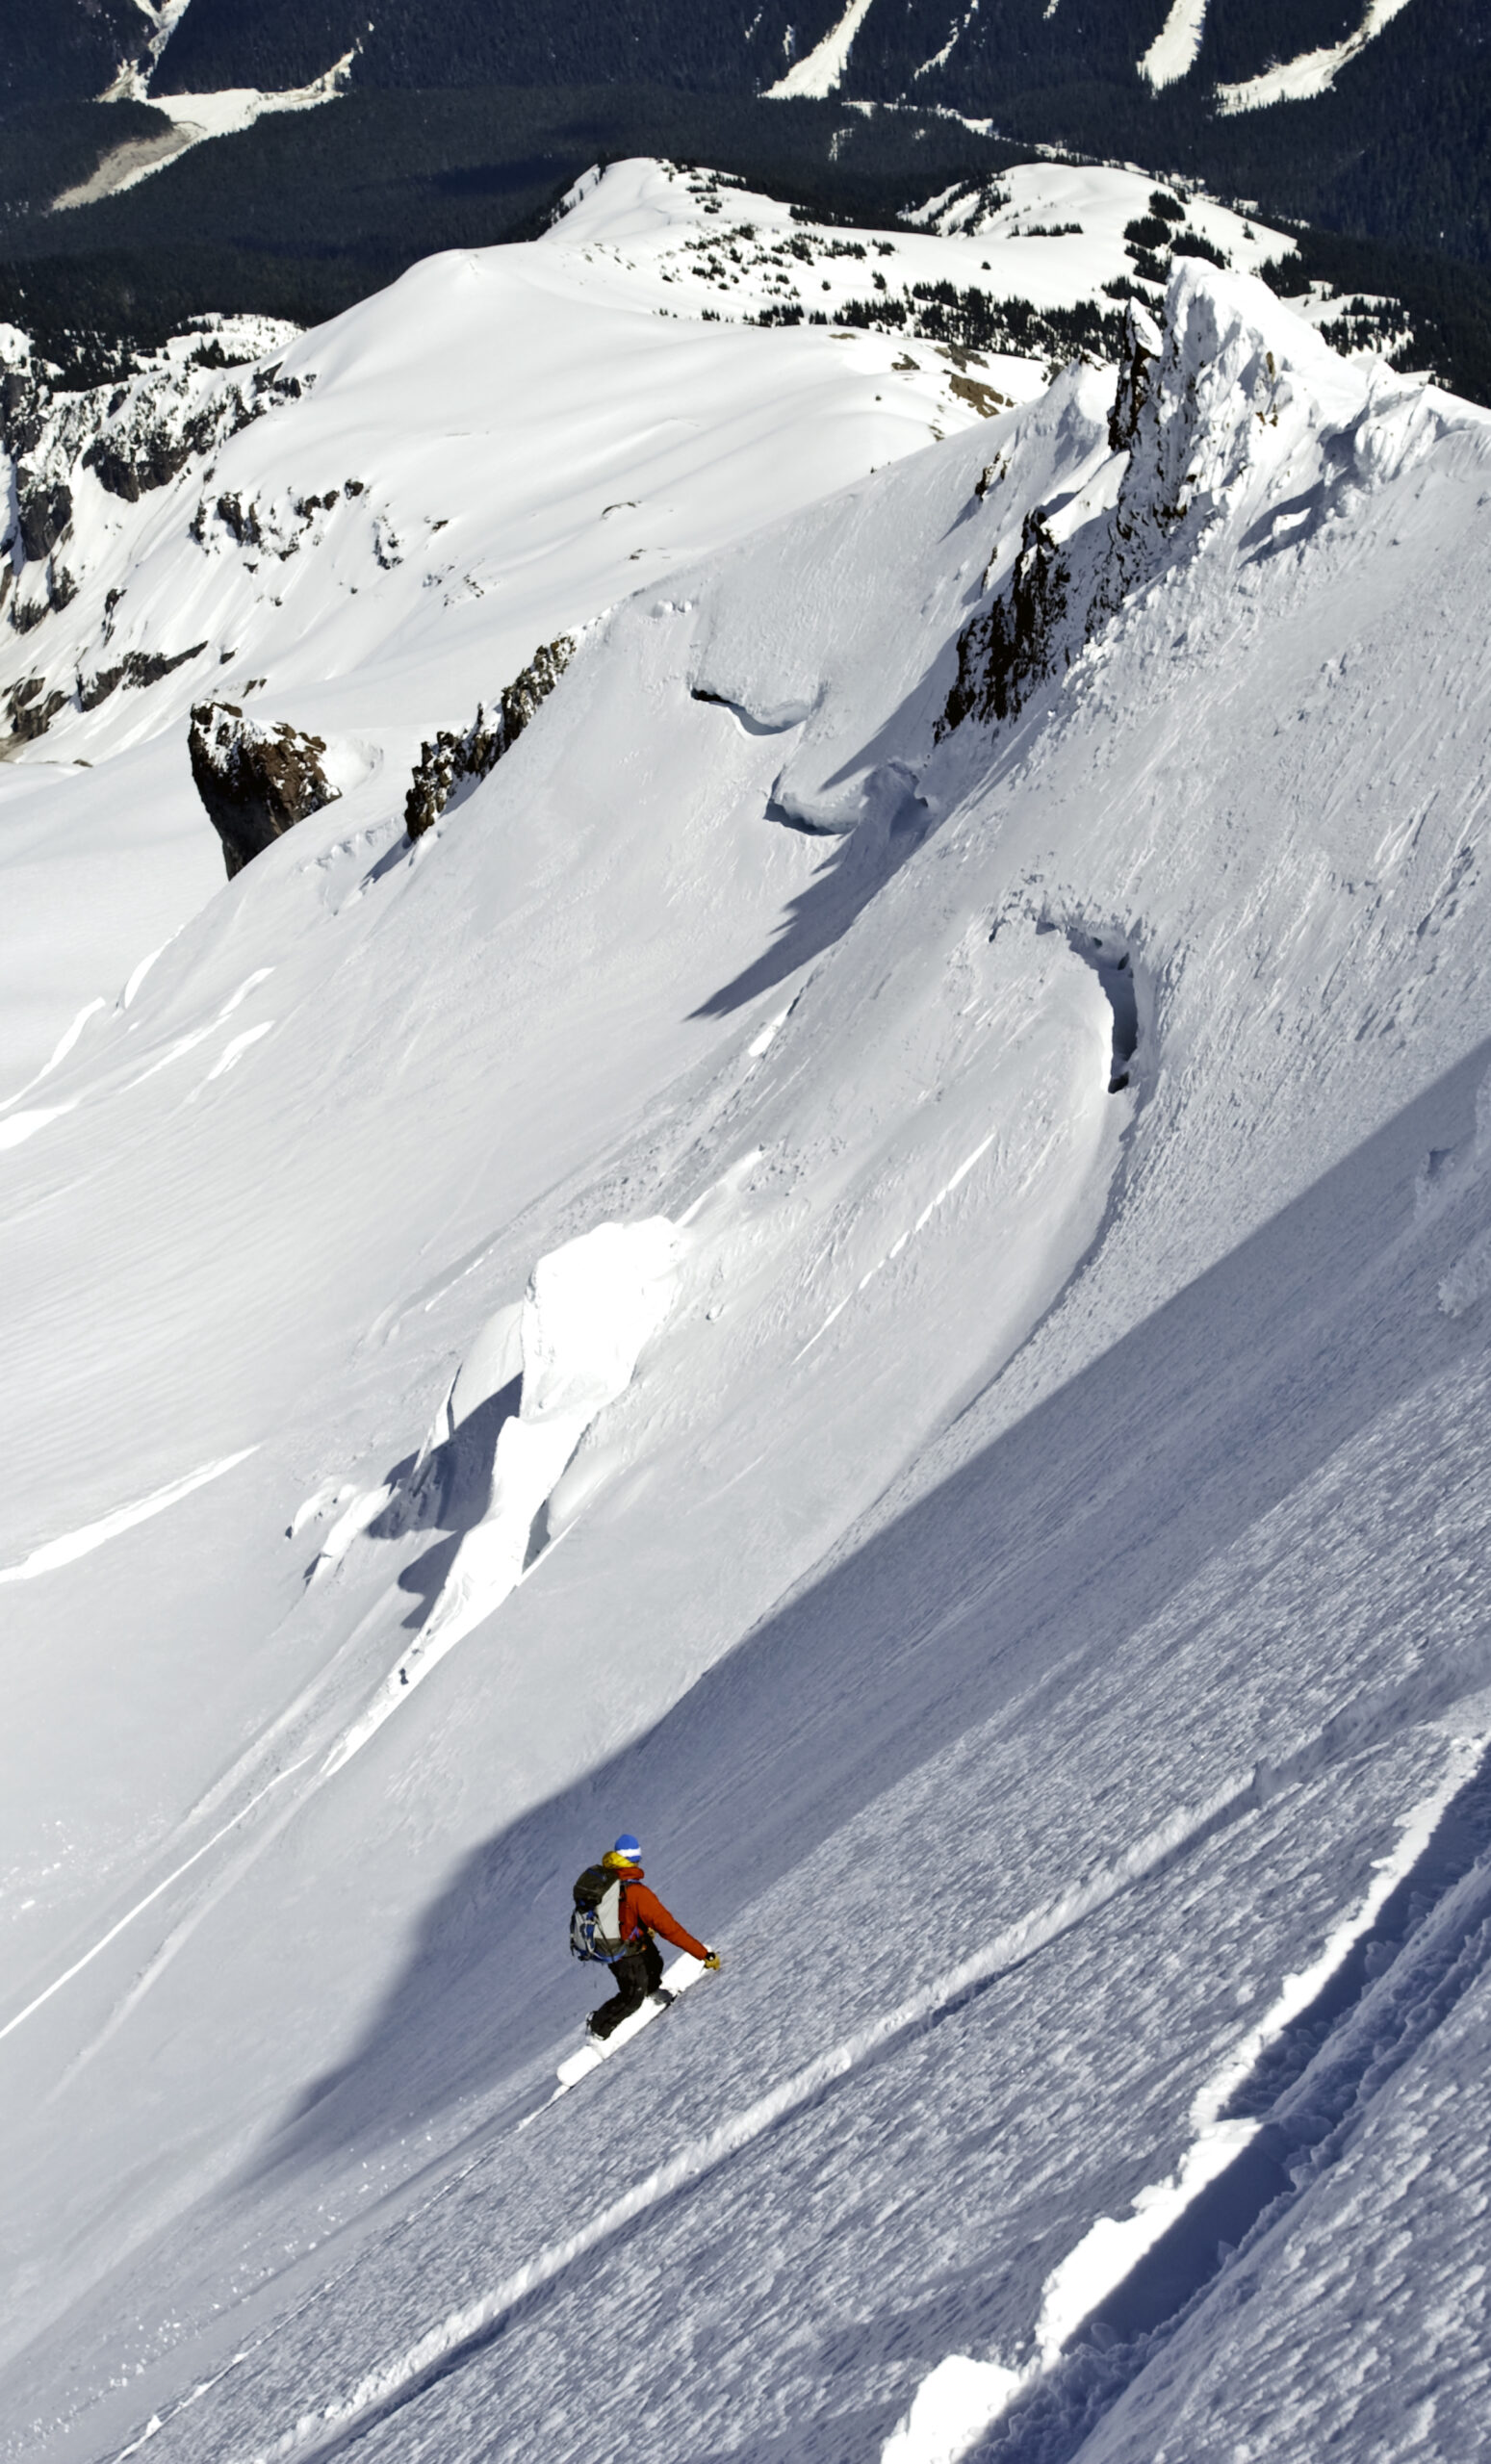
[(479, 459), (367, 529), (871, 1259)]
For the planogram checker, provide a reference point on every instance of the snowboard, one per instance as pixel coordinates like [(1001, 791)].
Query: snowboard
[(684, 1971)]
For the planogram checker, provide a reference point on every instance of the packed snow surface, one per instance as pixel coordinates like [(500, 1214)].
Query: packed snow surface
[(894, 1300)]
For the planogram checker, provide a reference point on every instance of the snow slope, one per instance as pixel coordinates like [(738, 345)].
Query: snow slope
[(907, 1303), (193, 119), (475, 461), (1309, 72), (821, 70)]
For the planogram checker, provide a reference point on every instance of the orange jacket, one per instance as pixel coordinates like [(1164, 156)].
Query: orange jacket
[(643, 1912)]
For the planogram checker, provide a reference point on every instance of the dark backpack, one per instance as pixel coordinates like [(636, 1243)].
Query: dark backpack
[(595, 1926)]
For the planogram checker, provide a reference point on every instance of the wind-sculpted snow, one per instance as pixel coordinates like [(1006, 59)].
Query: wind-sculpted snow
[(913, 1300), (590, 1308)]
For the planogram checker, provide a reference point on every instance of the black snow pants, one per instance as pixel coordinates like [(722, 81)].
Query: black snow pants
[(637, 1975)]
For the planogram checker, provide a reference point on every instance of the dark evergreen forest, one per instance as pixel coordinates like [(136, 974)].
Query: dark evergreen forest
[(466, 119)]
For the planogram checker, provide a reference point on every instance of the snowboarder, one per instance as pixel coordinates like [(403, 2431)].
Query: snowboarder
[(639, 1969)]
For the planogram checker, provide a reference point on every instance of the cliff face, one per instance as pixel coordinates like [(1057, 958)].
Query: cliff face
[(1213, 403), (449, 759), (76, 455), (255, 782)]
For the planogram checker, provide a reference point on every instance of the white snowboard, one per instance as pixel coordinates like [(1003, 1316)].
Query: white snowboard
[(598, 2050), (685, 1972)]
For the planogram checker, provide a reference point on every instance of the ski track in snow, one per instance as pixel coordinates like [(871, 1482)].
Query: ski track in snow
[(964, 2396), (140, 1905), (65, 1045), (21, 1126), (72, 1545), (1101, 2261)]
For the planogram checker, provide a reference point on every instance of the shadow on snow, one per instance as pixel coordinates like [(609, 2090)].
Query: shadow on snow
[(1061, 1535)]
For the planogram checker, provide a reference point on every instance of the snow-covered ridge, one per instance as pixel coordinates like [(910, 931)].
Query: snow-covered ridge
[(106, 481), (897, 1284)]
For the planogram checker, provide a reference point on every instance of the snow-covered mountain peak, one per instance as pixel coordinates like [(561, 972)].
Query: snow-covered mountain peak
[(865, 1253)]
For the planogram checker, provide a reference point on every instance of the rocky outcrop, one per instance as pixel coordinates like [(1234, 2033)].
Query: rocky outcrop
[(1142, 341), (256, 781), (1196, 415), (133, 437), (31, 708), (151, 436), (445, 763), (43, 512), (137, 668), (1005, 652)]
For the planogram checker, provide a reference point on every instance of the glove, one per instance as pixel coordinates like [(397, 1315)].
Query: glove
[(712, 1960)]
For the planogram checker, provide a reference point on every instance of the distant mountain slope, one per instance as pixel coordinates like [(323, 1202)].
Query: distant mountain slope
[(1368, 120)]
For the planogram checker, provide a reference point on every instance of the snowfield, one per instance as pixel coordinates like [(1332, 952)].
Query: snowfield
[(871, 1260)]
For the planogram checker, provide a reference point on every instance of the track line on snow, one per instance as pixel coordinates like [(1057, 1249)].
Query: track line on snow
[(1383, 1712), (140, 1905), (1271, 2152), (71, 1545), (463, 2333)]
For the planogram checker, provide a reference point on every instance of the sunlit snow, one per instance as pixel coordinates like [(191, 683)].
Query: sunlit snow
[(870, 1260)]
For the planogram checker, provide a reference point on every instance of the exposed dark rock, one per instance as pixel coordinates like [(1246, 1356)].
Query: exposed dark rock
[(31, 708), (22, 407), (256, 781), (1140, 350), (241, 524), (152, 443), (137, 668), (1009, 650), (44, 510), (449, 759), (129, 467)]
